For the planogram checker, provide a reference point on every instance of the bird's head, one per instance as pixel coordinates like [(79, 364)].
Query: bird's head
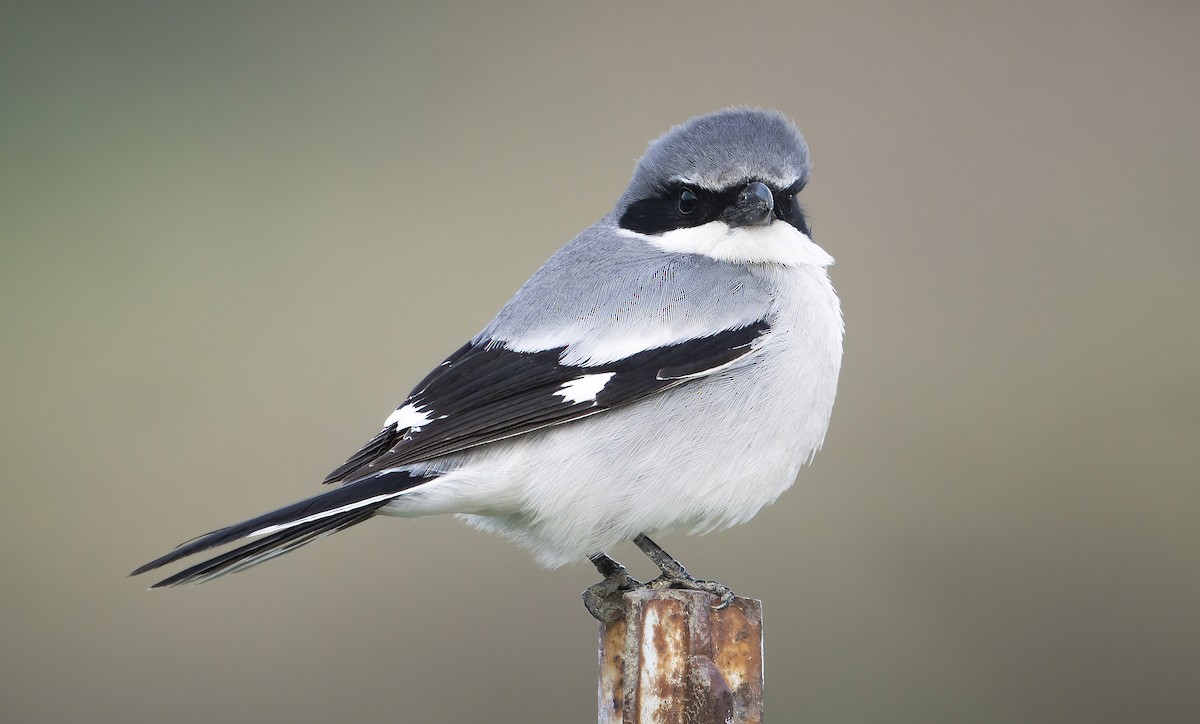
[(724, 185)]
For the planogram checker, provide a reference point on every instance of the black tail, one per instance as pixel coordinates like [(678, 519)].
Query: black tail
[(286, 529)]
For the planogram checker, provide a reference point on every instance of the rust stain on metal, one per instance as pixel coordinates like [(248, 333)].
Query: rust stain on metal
[(673, 659), (662, 678), (611, 695), (738, 654), (709, 699)]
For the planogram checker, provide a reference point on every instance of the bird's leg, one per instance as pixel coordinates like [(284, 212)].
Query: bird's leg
[(674, 575), (603, 600)]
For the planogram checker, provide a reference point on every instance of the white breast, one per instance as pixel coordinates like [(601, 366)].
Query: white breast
[(702, 456)]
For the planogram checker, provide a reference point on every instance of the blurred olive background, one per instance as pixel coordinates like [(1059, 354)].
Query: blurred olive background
[(235, 234)]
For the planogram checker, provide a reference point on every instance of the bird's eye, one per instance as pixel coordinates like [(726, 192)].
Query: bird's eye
[(786, 203), (688, 201)]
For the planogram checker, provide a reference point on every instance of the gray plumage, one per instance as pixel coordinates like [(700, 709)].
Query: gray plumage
[(671, 368), (720, 149)]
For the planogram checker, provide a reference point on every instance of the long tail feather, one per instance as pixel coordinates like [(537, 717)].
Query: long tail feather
[(287, 528), (260, 551)]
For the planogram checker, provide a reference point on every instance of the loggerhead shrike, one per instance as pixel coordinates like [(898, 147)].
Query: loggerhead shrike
[(671, 368)]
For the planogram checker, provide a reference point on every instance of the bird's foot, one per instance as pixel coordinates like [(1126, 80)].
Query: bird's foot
[(674, 575), (604, 599), (685, 582)]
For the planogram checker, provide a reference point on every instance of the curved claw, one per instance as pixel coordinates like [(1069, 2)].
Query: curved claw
[(723, 593), (724, 598), (675, 575), (604, 599)]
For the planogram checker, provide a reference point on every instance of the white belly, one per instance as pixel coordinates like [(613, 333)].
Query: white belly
[(700, 457)]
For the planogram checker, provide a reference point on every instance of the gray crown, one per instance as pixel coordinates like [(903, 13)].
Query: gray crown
[(721, 150)]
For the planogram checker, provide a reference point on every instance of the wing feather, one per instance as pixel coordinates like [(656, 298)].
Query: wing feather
[(486, 392)]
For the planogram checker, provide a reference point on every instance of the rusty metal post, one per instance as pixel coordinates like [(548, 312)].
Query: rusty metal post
[(672, 659)]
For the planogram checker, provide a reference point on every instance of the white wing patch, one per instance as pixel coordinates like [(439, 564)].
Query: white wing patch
[(584, 389), (408, 416)]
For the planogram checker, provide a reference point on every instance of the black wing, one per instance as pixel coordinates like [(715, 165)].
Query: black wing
[(486, 392)]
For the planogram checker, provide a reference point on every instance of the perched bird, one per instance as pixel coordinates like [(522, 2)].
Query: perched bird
[(671, 368)]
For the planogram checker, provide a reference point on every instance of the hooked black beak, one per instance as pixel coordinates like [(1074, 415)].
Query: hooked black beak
[(753, 207)]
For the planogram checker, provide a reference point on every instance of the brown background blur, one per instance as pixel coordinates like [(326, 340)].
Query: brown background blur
[(234, 235)]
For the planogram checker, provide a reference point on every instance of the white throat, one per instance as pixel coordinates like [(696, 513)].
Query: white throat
[(775, 243)]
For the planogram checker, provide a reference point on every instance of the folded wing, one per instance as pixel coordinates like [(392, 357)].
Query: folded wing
[(486, 392)]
